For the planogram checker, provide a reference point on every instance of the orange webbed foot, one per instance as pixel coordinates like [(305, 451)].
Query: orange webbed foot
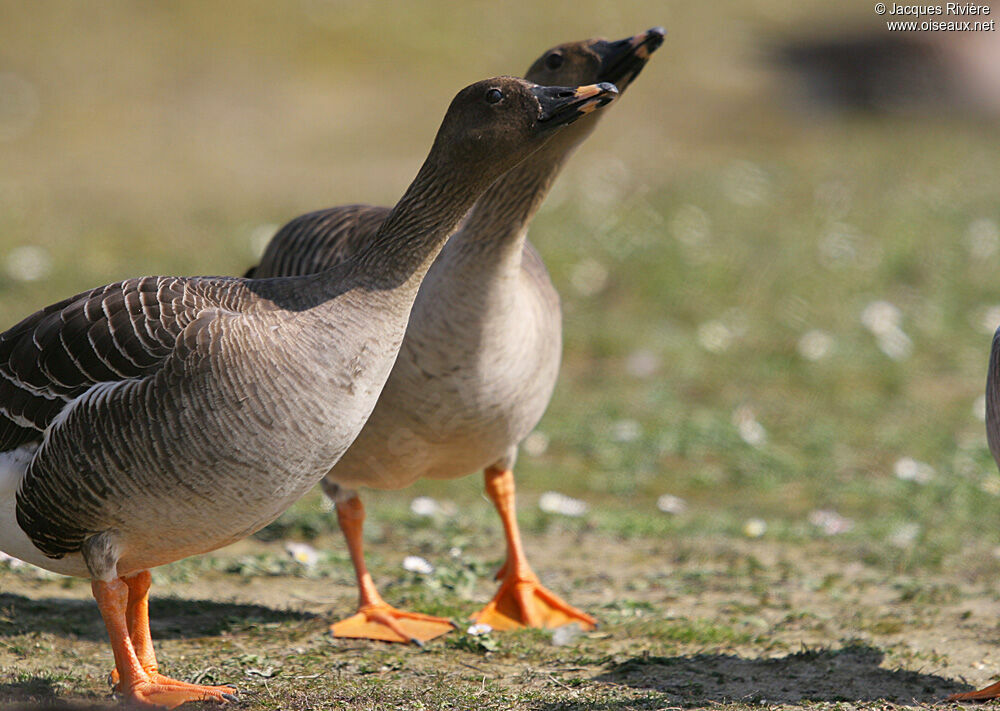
[(522, 601), (985, 694), (157, 678), (164, 692), (387, 624)]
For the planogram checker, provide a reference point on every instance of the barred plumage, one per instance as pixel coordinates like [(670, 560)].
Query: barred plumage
[(114, 332), (319, 240), (80, 349)]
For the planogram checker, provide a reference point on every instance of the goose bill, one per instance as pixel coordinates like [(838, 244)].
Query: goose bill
[(624, 59), (562, 106)]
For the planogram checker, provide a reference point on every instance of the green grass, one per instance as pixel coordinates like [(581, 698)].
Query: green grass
[(703, 211)]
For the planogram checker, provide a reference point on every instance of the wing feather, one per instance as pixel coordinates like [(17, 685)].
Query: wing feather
[(117, 332), (319, 240)]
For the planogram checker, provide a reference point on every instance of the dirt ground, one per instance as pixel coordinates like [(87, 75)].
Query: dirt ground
[(691, 623)]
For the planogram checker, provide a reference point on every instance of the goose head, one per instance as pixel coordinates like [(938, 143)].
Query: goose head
[(596, 60), (494, 124)]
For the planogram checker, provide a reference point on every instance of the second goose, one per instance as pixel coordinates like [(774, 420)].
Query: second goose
[(480, 358)]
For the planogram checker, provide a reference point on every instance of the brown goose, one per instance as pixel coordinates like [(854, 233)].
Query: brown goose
[(160, 417), (479, 360)]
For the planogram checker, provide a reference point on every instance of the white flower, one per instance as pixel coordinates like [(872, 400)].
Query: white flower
[(895, 344), (536, 444), (991, 485), (479, 628), (424, 506), (416, 564), (626, 431), (715, 336), (815, 345), (302, 553), (881, 317), (750, 430), (909, 469), (566, 634), (642, 363), (671, 504), (830, 522), (883, 320), (554, 502), (754, 528), (905, 535)]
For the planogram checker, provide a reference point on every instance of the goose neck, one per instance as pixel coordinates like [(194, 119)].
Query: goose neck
[(413, 234)]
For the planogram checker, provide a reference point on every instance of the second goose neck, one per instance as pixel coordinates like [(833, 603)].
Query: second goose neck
[(413, 234), (493, 234)]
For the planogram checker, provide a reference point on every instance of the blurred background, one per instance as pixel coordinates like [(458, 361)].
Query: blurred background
[(778, 253)]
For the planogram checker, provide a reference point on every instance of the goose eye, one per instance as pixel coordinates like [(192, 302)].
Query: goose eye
[(554, 61), (493, 96)]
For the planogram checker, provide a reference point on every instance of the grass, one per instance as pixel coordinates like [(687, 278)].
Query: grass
[(717, 626), (716, 252)]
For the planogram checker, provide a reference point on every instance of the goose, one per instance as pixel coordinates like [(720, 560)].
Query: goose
[(160, 417), (478, 363), (993, 439)]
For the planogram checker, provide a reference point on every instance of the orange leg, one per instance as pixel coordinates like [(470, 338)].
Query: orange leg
[(522, 600), (375, 619), (137, 620), (990, 692), (122, 614)]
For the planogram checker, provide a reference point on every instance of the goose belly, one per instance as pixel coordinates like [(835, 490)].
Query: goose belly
[(412, 450), (175, 482), (208, 497), (155, 523), (13, 540), (449, 422), (161, 530)]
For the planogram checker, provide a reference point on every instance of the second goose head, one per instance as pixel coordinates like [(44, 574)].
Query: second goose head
[(597, 60), (586, 62)]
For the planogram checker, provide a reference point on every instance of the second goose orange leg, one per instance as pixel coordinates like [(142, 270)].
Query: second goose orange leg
[(522, 600), (376, 619), (122, 614)]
